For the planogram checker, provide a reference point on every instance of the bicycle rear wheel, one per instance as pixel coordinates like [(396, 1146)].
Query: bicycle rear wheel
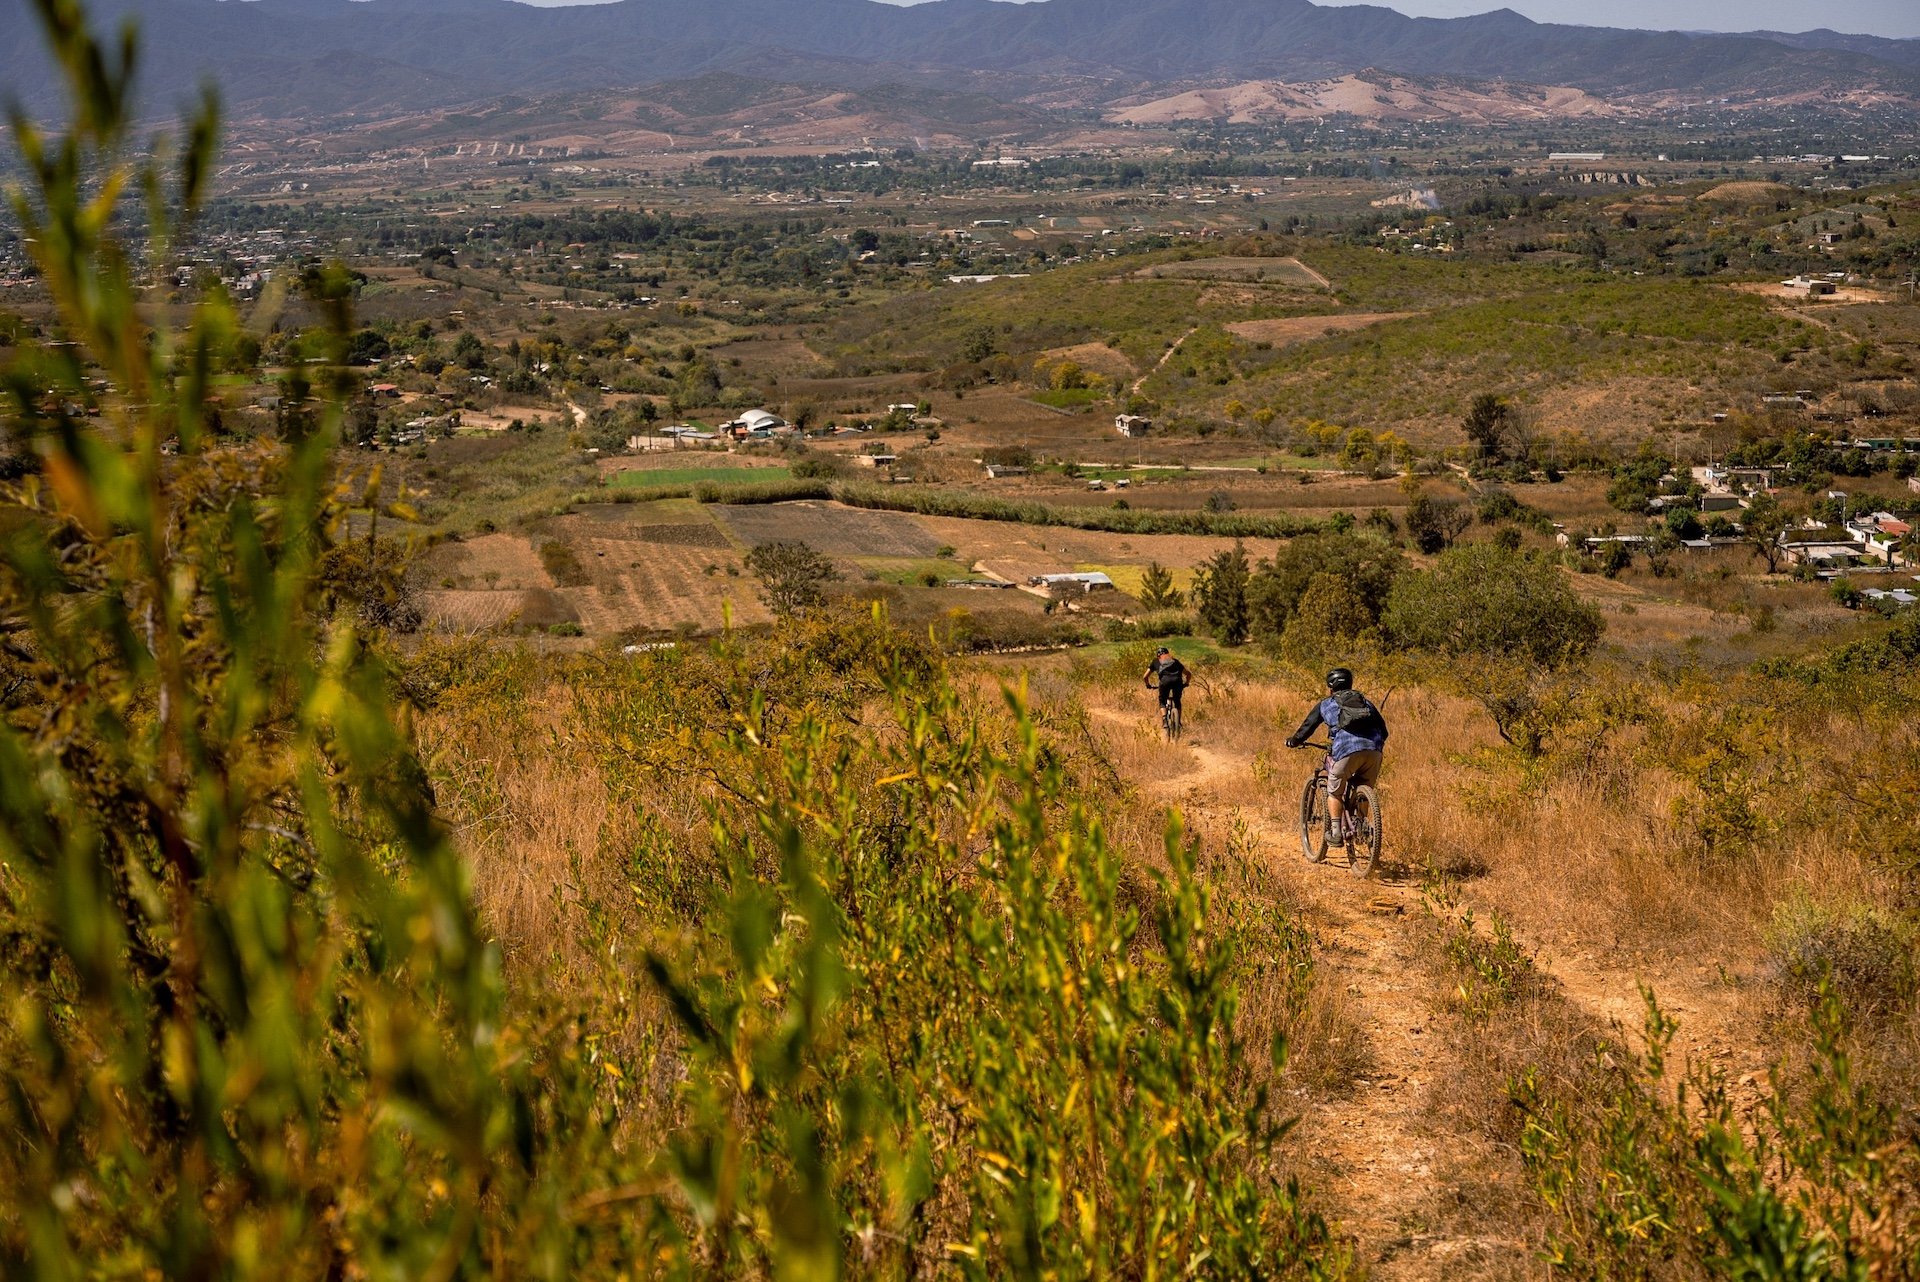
[(1363, 811), (1313, 821), (1170, 717)]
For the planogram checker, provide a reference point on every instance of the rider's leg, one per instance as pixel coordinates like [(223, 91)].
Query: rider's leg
[(1359, 767)]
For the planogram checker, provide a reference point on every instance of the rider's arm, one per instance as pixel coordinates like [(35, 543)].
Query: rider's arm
[(1307, 727)]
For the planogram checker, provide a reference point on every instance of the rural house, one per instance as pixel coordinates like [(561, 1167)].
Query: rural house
[(1132, 425), (1063, 584)]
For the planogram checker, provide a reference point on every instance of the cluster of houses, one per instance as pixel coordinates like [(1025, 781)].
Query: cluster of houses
[(765, 425), (1873, 541)]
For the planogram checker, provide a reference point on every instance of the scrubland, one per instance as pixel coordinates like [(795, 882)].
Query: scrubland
[(818, 948), (1466, 1035)]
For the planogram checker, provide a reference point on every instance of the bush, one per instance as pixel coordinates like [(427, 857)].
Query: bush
[(1642, 1175), (1864, 956), (1155, 624), (1433, 524), (1484, 600), (563, 563), (793, 577)]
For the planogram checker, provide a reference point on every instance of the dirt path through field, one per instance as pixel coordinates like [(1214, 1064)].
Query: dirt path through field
[(1396, 1159), (1381, 1157), (1164, 358)]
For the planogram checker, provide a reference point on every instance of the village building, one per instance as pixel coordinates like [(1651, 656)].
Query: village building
[(1065, 584), (1132, 425)]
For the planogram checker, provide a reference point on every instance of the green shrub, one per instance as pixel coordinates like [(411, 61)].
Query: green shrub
[(926, 501), (1863, 955), (1642, 1175)]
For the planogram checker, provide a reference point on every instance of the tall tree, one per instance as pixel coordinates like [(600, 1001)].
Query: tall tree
[(1761, 526), (1220, 594), (1157, 591), (1488, 423)]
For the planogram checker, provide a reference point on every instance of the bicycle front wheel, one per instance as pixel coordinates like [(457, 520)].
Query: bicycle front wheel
[(1313, 821), (1363, 849)]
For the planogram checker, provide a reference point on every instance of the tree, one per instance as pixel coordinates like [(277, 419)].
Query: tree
[(1333, 616), (1433, 524), (1508, 624), (1482, 599), (1684, 523), (793, 577), (1220, 594), (1488, 422), (1157, 591), (469, 352), (1367, 565), (1761, 526)]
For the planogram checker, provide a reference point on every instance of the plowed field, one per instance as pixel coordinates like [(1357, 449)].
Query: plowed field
[(831, 529)]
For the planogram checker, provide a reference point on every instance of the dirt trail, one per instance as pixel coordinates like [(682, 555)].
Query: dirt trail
[(1401, 1171), (1164, 358), (1375, 1153)]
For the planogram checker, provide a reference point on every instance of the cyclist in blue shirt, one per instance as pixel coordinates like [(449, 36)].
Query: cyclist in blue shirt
[(1359, 736)]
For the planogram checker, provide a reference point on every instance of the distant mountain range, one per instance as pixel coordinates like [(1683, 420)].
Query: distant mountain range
[(321, 59)]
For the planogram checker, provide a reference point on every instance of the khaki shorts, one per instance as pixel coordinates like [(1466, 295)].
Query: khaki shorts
[(1360, 767)]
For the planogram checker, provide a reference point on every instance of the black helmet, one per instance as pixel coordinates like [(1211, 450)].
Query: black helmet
[(1340, 679), (1165, 650)]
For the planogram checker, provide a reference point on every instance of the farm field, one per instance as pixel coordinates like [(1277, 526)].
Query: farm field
[(1264, 271), (641, 478)]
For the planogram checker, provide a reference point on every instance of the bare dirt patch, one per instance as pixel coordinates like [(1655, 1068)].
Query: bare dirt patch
[(1260, 271), (1282, 331), (1017, 552), (1843, 294), (1746, 192), (502, 562), (1096, 358)]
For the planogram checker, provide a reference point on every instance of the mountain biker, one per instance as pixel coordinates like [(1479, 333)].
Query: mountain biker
[(1359, 735), (1169, 674)]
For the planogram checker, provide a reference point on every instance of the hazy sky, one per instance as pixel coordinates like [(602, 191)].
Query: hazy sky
[(1899, 18)]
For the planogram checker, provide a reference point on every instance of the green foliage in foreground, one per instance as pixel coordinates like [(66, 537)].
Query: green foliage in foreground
[(1645, 1171), (924, 1018)]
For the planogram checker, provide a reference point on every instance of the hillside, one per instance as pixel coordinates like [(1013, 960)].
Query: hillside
[(328, 57), (1369, 95)]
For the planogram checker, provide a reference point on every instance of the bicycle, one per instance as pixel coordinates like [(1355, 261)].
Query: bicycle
[(1170, 716), (1364, 825)]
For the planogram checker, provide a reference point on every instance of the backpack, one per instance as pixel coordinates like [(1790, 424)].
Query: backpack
[(1354, 713), (1172, 672)]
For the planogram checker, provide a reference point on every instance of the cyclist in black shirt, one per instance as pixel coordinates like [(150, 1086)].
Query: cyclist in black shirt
[(1169, 675)]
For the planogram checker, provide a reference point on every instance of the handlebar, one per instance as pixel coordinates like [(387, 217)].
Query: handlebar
[(1313, 743)]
